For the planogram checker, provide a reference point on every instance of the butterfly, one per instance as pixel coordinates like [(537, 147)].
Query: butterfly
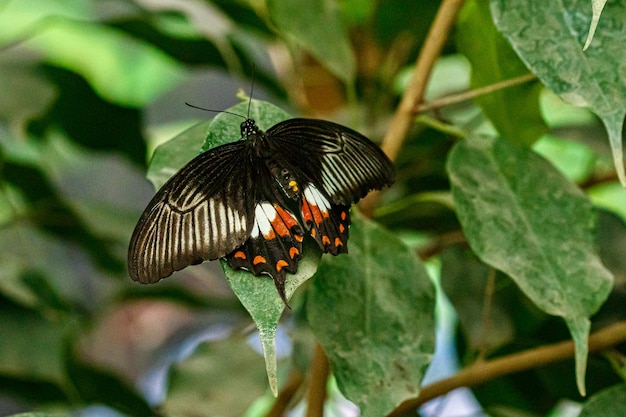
[(253, 201)]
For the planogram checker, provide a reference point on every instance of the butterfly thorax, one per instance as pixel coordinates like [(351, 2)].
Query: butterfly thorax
[(262, 151)]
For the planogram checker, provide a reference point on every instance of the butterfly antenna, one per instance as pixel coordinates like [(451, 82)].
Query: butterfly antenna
[(251, 90), (215, 111)]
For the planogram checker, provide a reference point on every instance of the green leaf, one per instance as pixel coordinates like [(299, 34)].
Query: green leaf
[(258, 294), (610, 402), (372, 312), (316, 25), (522, 216), (45, 414), (515, 111), (548, 37), (260, 297)]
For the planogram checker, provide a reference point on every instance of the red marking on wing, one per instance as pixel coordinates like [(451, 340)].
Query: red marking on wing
[(343, 215), (284, 222), (312, 213), (259, 260), (293, 251), (239, 255), (342, 228)]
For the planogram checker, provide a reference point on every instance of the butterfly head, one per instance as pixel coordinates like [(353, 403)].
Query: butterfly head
[(249, 129)]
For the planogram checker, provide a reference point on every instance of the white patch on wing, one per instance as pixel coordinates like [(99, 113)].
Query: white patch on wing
[(264, 214), (314, 197)]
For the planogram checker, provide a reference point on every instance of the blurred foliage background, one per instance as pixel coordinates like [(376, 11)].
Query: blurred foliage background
[(91, 87)]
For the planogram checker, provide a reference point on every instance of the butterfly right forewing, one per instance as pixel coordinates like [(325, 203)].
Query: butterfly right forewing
[(200, 214)]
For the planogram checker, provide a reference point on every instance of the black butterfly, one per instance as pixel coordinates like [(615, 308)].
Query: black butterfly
[(253, 200)]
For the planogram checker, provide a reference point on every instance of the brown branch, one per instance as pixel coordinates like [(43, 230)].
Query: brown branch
[(320, 370), (414, 94), (488, 89), (286, 395), (481, 372)]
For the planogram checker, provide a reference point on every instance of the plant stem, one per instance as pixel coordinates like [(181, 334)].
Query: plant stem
[(484, 371), (414, 94), (468, 95), (286, 395), (320, 370)]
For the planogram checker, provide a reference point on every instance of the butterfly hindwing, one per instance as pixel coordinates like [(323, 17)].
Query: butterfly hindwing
[(341, 162), (327, 223), (201, 213), (274, 246)]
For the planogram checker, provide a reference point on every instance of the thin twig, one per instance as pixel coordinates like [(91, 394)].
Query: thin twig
[(320, 369), (486, 319), (468, 95), (481, 372)]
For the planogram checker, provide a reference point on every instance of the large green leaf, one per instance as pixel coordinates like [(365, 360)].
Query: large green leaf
[(317, 26), (372, 311), (522, 216), (258, 294), (610, 402), (515, 111), (549, 35)]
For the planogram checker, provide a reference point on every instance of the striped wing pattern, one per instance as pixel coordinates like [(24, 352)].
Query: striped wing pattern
[(201, 213), (342, 162), (252, 201)]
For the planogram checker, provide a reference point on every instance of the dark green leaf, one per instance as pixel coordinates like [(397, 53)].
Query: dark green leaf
[(373, 313), (101, 386), (608, 403), (316, 25), (549, 35), (523, 217)]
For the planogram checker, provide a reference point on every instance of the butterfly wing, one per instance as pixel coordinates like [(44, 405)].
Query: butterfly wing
[(200, 214), (339, 161)]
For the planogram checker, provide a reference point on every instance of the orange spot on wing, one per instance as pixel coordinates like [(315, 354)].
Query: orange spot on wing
[(280, 264), (293, 252), (313, 233), (259, 260), (343, 215), (239, 255), (325, 240), (338, 242), (342, 228), (298, 238)]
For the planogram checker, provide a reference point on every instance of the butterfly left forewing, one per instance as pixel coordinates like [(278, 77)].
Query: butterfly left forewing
[(200, 214)]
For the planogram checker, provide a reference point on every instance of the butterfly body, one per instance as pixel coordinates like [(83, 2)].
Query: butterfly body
[(253, 201)]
